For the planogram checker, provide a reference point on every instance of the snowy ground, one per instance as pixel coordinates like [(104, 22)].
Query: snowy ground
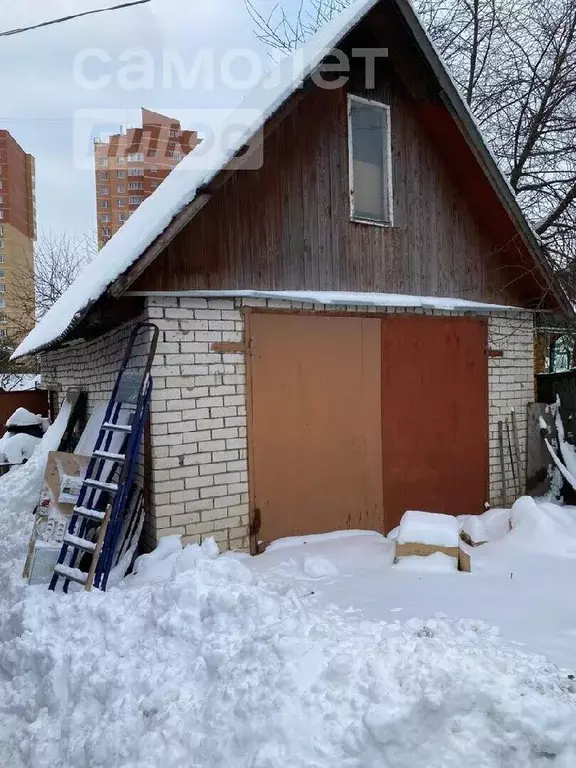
[(312, 655)]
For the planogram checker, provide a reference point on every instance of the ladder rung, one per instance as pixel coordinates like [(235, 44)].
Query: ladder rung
[(72, 574), (79, 543), (91, 514), (109, 456), (117, 427), (110, 487)]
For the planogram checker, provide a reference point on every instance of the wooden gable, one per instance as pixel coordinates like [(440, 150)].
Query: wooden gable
[(287, 225)]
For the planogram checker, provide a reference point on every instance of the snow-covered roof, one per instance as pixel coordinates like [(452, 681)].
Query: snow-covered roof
[(350, 298), (235, 129)]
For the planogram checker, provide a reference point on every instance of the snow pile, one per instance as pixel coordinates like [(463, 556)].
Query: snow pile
[(19, 494), (17, 448), (543, 528), (438, 562), (529, 528), (492, 525), (196, 661), (24, 418), (429, 528)]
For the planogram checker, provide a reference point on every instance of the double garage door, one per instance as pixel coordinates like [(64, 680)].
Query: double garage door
[(354, 420)]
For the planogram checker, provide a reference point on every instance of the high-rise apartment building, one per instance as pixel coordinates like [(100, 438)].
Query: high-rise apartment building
[(130, 165), (17, 236)]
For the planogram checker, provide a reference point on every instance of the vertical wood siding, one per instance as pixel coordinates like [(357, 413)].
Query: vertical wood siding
[(287, 225)]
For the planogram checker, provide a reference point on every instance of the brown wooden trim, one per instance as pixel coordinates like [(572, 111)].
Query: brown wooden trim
[(495, 353), (252, 513), (229, 347)]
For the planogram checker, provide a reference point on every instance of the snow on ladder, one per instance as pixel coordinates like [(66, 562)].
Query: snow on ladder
[(108, 506)]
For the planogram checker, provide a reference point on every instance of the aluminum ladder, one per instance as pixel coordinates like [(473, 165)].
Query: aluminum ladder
[(108, 502)]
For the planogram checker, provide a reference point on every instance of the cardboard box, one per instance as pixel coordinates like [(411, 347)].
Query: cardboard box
[(413, 549), (64, 472)]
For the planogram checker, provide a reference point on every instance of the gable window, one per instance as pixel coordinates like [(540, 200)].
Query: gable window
[(370, 163)]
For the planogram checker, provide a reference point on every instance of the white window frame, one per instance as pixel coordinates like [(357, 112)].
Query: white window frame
[(388, 159)]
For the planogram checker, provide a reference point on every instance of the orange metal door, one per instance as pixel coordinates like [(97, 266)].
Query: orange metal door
[(434, 415), (315, 434)]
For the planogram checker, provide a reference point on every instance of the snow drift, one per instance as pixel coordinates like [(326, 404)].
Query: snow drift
[(196, 660), (212, 666)]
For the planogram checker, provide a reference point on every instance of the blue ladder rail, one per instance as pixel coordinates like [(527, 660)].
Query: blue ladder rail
[(110, 474)]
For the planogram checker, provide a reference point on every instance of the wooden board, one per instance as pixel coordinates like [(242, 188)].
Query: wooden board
[(413, 549), (316, 460)]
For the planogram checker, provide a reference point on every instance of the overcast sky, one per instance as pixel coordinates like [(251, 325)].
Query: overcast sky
[(44, 76)]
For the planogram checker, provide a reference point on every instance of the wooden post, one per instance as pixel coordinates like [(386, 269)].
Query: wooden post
[(98, 550), (504, 498), (511, 456), (517, 452)]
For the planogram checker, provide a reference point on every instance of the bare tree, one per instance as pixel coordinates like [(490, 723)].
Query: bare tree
[(35, 284), (515, 63)]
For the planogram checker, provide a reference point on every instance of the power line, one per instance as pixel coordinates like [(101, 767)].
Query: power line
[(73, 16)]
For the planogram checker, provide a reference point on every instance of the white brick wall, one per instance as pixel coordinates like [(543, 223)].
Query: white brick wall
[(199, 477), (92, 367), (511, 385), (198, 422)]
